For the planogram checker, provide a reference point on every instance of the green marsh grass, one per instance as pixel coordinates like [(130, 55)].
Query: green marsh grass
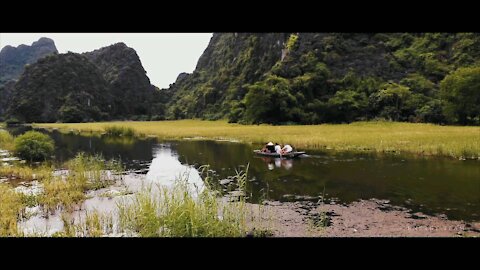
[(421, 139), (93, 172), (84, 173), (58, 192), (11, 209), (6, 140), (25, 172), (65, 190), (180, 212), (159, 211), (93, 224), (117, 131), (29, 200)]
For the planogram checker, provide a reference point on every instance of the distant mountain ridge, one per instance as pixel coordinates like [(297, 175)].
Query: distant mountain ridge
[(13, 59), (106, 84)]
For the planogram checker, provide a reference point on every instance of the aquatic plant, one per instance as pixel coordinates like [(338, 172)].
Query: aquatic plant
[(26, 173), (119, 131), (11, 208), (93, 170), (84, 173), (181, 212), (159, 211), (93, 224)]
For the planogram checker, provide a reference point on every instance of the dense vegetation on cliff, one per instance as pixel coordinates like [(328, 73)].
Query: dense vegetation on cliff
[(63, 87), (126, 79), (333, 77)]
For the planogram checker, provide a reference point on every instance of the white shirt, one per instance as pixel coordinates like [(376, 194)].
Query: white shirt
[(278, 148), (287, 148)]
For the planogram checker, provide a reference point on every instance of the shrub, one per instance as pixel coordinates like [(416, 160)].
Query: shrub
[(33, 146), (119, 131)]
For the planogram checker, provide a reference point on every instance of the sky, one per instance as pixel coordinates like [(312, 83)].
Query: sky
[(163, 55)]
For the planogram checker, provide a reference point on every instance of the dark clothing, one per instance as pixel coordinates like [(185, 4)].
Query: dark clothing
[(271, 148)]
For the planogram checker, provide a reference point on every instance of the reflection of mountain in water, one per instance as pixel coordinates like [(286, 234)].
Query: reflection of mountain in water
[(166, 168)]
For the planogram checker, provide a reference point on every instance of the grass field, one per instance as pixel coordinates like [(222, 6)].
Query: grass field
[(423, 139)]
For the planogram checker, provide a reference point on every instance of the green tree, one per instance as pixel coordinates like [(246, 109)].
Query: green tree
[(347, 106), (270, 101), (430, 112), (418, 84), (390, 99), (460, 93), (71, 114)]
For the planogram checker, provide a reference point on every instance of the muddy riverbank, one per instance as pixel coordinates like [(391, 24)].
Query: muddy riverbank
[(365, 218)]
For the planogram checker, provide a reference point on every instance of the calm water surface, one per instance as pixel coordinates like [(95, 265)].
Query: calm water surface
[(430, 185)]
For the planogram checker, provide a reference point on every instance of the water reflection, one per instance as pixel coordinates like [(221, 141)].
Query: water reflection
[(166, 168), (273, 163)]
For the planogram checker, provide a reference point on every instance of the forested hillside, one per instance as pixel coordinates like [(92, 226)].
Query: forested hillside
[(313, 78)]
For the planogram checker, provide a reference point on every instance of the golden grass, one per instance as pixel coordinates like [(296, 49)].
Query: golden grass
[(424, 139), (11, 208), (84, 173), (94, 224), (6, 140), (25, 172), (58, 192)]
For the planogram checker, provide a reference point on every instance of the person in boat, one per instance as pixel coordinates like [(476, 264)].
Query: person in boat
[(278, 148), (269, 148), (286, 149)]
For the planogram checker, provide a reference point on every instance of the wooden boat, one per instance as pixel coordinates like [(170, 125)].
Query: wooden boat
[(289, 155)]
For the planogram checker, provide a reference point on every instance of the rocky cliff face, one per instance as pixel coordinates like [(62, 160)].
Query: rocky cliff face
[(127, 81), (13, 59), (230, 61), (322, 77)]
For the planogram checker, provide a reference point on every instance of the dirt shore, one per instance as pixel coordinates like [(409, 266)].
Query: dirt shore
[(367, 218)]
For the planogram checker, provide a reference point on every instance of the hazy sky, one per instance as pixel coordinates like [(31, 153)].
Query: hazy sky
[(163, 55)]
